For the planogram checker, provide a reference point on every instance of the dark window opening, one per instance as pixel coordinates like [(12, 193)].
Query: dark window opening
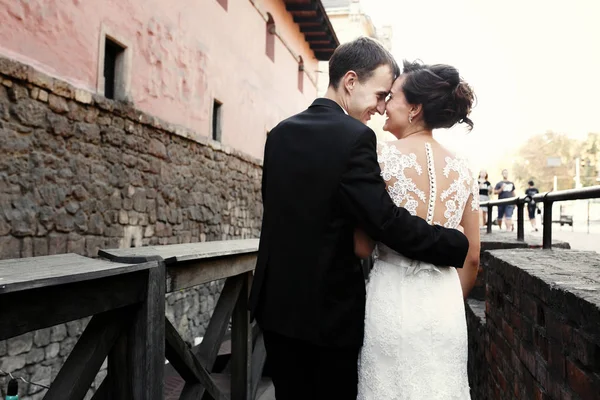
[(301, 75), (216, 121), (113, 67), (270, 45), (223, 3)]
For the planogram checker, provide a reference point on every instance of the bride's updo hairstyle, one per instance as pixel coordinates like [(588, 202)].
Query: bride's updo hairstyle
[(446, 98)]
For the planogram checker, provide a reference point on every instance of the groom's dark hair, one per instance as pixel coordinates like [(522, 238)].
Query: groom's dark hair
[(363, 56)]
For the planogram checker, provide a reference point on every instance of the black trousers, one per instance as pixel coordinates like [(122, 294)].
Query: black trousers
[(304, 371)]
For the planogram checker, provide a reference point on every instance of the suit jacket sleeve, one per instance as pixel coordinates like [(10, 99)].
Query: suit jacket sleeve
[(364, 196)]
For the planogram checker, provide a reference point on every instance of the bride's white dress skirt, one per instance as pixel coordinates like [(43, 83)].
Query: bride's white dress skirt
[(415, 345)]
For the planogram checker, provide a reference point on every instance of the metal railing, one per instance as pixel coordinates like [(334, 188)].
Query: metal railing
[(547, 199)]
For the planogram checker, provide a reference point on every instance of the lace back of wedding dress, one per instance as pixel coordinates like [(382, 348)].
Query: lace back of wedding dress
[(410, 188)]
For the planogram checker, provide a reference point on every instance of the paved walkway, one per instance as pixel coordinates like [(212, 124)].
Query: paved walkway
[(576, 236)]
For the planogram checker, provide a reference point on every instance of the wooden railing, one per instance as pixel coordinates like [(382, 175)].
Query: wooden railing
[(547, 199), (127, 304), (189, 265), (125, 292)]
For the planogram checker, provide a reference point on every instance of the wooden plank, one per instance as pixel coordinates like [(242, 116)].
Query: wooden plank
[(35, 272), (86, 358), (48, 306), (102, 392), (194, 391), (259, 357), (241, 343), (146, 341), (118, 380), (186, 364), (189, 274), (225, 348), (208, 350), (181, 252)]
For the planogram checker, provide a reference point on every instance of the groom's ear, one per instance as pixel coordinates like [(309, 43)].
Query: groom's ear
[(349, 80)]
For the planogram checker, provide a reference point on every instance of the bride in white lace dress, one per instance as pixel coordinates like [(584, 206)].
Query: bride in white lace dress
[(415, 344)]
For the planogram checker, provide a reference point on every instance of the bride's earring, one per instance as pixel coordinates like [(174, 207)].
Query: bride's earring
[(410, 118)]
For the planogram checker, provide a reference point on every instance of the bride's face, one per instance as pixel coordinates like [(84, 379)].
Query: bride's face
[(397, 109)]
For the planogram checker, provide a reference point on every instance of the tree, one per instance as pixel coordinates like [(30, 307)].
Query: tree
[(590, 160), (532, 158)]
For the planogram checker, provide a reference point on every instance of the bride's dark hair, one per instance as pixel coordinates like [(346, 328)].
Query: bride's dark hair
[(445, 97)]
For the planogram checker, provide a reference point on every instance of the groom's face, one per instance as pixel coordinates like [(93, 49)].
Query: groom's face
[(368, 97)]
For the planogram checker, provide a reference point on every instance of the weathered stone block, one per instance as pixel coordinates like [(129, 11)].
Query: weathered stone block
[(64, 221), (23, 222), (80, 193), (20, 344), (157, 149), (40, 79), (75, 328), (12, 363), (27, 247), (52, 350), (75, 244), (66, 346), (10, 247), (57, 243), (83, 96), (35, 356), (60, 125), (96, 224), (88, 132), (58, 104), (58, 333), (42, 376), (43, 96), (63, 89), (41, 337), (40, 247), (123, 217), (93, 244)]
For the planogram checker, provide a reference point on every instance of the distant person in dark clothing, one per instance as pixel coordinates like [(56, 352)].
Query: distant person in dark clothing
[(485, 189), (505, 189), (532, 207)]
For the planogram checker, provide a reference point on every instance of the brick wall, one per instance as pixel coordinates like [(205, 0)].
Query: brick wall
[(542, 325), (504, 240)]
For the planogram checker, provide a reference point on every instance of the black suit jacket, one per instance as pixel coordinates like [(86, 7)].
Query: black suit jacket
[(321, 180)]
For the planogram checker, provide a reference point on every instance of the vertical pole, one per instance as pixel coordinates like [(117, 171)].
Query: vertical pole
[(489, 218), (520, 221), (588, 217), (547, 240)]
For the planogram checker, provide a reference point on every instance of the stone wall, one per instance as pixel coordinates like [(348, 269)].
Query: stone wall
[(542, 325), (79, 172)]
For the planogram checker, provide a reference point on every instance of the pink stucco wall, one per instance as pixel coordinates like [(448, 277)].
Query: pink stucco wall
[(183, 54)]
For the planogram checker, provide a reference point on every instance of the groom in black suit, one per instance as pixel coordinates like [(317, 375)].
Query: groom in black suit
[(321, 181)]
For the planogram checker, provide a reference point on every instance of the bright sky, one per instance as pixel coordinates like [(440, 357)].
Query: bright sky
[(534, 65)]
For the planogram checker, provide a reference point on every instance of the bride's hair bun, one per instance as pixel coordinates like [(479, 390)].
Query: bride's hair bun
[(445, 97)]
